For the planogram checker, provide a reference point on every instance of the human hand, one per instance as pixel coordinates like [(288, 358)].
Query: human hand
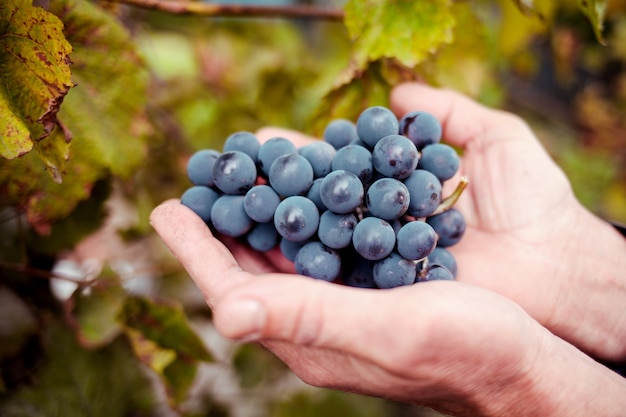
[(527, 236), (452, 346)]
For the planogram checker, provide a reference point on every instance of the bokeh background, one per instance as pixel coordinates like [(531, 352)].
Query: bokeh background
[(98, 319)]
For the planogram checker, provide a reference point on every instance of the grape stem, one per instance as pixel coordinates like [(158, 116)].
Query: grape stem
[(230, 10), (451, 200)]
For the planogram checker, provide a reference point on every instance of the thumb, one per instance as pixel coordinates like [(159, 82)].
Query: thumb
[(314, 313)]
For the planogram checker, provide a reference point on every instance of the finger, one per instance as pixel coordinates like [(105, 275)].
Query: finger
[(463, 119), (314, 313), (441, 320), (297, 138), (206, 259)]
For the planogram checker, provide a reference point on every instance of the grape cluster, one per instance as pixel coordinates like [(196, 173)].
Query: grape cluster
[(362, 207)]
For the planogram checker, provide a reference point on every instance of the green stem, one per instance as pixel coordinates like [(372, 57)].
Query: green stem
[(451, 200)]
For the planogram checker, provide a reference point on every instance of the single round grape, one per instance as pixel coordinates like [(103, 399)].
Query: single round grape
[(395, 156), (396, 225), (373, 238), (341, 191), (296, 218), (272, 149), (229, 217), (440, 159), (260, 203), (449, 226), (290, 175), (436, 272), (442, 256), (243, 141), (335, 230), (355, 159), (289, 248), (320, 155), (394, 271), (374, 123), (200, 200), (263, 237), (234, 172), (421, 128), (200, 167), (340, 132), (387, 198), (359, 272), (318, 261), (424, 191), (416, 240), (314, 195)]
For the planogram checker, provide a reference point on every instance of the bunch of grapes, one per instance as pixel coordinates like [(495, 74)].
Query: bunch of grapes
[(362, 207)]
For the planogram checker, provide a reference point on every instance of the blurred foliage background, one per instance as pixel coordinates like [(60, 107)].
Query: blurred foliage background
[(96, 317)]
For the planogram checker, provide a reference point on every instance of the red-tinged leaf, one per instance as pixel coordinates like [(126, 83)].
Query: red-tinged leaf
[(36, 77), (105, 114), (165, 324)]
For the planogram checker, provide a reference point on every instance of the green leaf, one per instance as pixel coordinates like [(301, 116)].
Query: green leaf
[(107, 108), (179, 377), (351, 96), (149, 352), (409, 31), (95, 311), (595, 11), (75, 382), (35, 75), (164, 323), (162, 338)]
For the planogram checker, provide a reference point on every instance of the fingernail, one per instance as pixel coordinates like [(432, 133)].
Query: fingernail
[(241, 319)]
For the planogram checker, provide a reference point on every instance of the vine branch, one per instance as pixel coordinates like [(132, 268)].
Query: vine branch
[(235, 10)]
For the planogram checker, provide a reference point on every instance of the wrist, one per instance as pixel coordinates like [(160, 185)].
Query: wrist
[(555, 379), (588, 312)]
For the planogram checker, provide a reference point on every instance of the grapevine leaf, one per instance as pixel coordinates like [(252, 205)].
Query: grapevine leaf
[(95, 311), (179, 377), (166, 325), (162, 339), (105, 114), (149, 352), (108, 106), (35, 75), (72, 381), (355, 93), (408, 31), (177, 371), (595, 11)]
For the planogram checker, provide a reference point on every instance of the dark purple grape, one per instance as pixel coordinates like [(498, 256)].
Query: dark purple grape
[(421, 128), (200, 167), (416, 240), (440, 159), (395, 156), (340, 133), (394, 271), (449, 226), (234, 172), (374, 123), (318, 261), (425, 193)]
